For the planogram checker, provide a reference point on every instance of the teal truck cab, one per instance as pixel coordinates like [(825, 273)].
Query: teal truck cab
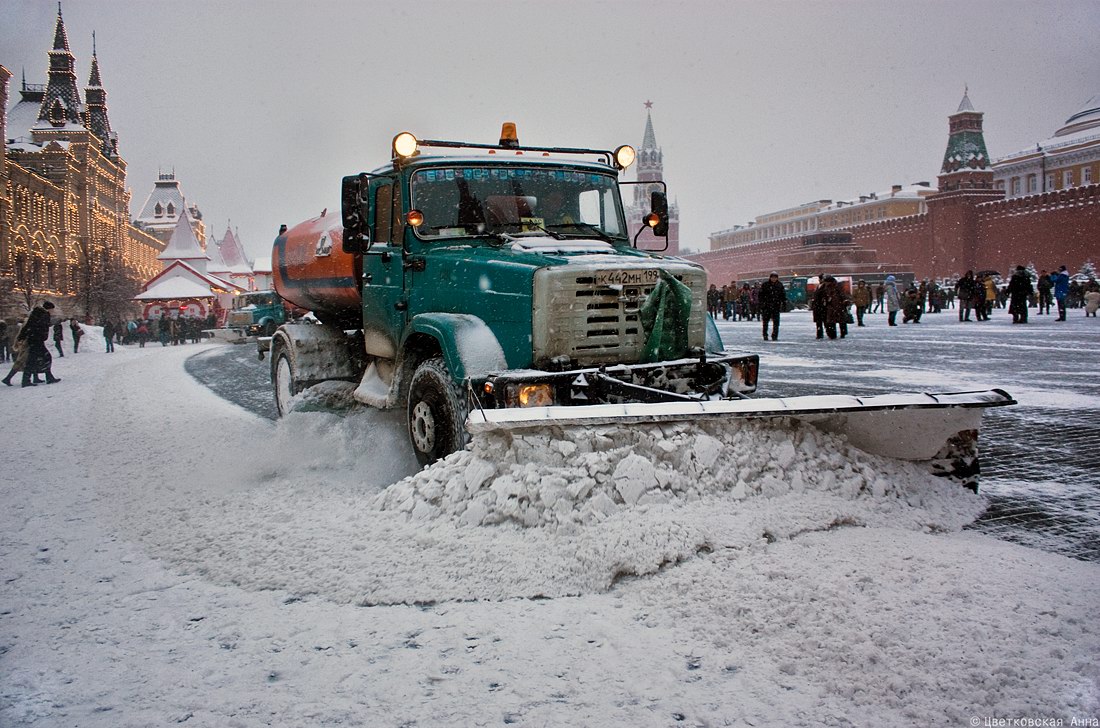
[(257, 313), (501, 277)]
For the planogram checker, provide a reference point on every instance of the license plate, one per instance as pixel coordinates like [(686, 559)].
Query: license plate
[(626, 277)]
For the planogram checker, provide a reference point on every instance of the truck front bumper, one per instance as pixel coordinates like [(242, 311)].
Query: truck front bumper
[(709, 377)]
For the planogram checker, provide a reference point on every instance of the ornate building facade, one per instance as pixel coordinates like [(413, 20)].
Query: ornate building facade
[(65, 230), (1070, 158)]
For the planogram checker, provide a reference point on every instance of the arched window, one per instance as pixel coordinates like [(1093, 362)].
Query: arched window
[(171, 210), (158, 211)]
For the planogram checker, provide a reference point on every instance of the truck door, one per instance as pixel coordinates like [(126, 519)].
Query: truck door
[(384, 304)]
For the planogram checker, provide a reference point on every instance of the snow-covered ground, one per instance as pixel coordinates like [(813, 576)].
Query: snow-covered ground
[(170, 558)]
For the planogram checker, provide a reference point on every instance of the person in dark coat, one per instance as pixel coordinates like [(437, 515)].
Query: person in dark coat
[(1019, 290), (861, 297), (772, 299), (77, 333), (911, 308), (35, 334), (1045, 286), (817, 307), (836, 308), (58, 338), (109, 335), (5, 355)]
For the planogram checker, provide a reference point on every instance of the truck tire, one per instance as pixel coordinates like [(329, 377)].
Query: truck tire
[(437, 412), (284, 376)]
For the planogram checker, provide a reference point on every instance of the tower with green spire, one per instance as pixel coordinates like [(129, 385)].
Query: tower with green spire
[(966, 163)]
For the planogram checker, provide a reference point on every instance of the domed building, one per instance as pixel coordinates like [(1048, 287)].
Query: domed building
[(1070, 158)]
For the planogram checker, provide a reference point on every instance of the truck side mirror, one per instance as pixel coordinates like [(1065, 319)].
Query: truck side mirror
[(658, 203), (353, 214)]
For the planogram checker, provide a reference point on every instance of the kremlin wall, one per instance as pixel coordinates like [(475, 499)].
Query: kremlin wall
[(966, 224)]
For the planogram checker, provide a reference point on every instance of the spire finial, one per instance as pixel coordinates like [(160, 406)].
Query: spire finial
[(648, 104), (93, 44)]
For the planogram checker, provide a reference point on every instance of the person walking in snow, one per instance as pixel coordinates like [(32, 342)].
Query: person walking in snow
[(4, 353), (142, 334), (1061, 290), (59, 338), (1019, 289), (817, 306), (109, 335), (773, 297), (1045, 286), (861, 297), (893, 300), (77, 332)]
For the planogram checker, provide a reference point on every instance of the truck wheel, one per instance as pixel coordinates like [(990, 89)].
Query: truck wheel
[(437, 412), (284, 378)]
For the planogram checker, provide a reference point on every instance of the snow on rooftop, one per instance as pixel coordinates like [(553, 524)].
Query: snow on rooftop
[(173, 287), (183, 245)]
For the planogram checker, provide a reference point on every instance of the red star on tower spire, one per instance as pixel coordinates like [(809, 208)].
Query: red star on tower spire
[(649, 104)]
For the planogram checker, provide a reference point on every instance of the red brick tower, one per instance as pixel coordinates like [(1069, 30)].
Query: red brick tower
[(965, 181)]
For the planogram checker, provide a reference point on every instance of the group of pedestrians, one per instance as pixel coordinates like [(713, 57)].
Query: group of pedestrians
[(831, 304), (735, 303), (26, 343)]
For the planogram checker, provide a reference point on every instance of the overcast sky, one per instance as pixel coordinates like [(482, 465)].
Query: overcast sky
[(261, 107)]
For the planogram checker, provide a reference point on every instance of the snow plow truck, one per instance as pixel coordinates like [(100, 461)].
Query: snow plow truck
[(489, 287)]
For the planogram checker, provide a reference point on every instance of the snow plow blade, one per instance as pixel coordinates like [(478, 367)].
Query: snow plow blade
[(940, 429)]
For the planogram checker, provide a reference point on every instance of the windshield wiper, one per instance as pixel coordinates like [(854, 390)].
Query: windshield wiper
[(584, 226)]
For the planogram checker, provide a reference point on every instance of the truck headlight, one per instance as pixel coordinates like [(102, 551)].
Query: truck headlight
[(536, 395)]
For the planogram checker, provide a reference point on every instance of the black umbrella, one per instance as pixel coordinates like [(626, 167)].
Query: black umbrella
[(987, 273)]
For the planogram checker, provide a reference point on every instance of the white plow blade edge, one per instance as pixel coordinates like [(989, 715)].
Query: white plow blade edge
[(917, 426)]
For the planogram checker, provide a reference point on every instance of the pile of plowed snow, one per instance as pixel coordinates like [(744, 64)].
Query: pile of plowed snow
[(332, 504), (565, 477)]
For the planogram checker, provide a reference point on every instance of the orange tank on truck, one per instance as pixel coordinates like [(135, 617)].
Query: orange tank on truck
[(311, 270)]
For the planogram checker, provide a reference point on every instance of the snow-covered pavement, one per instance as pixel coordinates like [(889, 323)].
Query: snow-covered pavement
[(170, 558)]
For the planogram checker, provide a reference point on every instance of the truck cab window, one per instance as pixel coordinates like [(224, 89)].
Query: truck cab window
[(383, 213)]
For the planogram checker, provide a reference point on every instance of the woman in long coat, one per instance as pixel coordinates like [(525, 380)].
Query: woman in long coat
[(893, 300)]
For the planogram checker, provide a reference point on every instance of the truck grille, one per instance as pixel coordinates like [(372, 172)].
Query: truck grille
[(591, 324)]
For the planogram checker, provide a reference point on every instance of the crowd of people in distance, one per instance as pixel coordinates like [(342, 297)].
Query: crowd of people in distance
[(832, 303), (25, 343)]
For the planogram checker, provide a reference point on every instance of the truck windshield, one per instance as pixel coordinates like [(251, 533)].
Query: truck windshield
[(472, 201)]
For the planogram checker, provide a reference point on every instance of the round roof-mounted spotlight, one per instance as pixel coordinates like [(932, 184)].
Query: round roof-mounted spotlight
[(405, 145), (625, 156)]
